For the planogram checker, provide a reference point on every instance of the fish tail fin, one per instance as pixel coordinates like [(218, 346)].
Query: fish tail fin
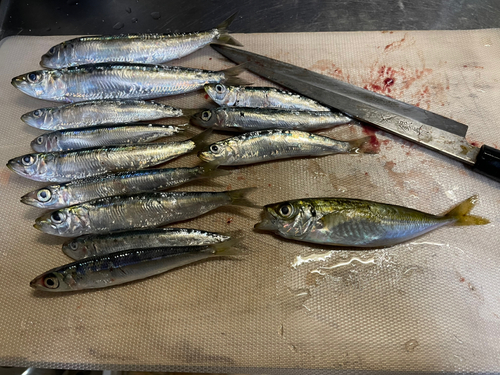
[(224, 37), (365, 145), (231, 76), (461, 213), (227, 248), (200, 140), (210, 170), (238, 197)]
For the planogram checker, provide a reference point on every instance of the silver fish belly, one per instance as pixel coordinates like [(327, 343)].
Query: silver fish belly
[(261, 97), (96, 245), (98, 112)]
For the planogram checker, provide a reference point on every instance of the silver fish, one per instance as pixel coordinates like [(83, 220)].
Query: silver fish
[(359, 223), (99, 112), (125, 266), (147, 210), (96, 245), (70, 165), (122, 183), (99, 136), (250, 119), (261, 97), (135, 48), (266, 145), (118, 81)]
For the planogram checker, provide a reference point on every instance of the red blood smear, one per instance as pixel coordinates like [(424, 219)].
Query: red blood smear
[(207, 97), (369, 130), (388, 82), (475, 144), (374, 142)]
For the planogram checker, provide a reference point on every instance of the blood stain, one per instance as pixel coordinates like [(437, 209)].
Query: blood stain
[(207, 97), (240, 178), (395, 45), (229, 187), (229, 220)]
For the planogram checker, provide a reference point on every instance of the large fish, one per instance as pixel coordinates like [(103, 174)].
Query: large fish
[(358, 223), (119, 81), (147, 210), (135, 48)]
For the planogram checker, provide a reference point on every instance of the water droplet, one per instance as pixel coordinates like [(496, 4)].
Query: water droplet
[(135, 20), (128, 9), (156, 15), (460, 359), (411, 345), (118, 25)]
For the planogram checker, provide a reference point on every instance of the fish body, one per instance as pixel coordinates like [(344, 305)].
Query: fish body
[(146, 210), (118, 81), (70, 165), (135, 48), (266, 145), (100, 136), (261, 97), (96, 245), (358, 223), (98, 112), (251, 119), (122, 183), (124, 266)]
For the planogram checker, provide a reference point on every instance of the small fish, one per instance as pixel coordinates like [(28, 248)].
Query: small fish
[(266, 145), (122, 183), (250, 119), (125, 266), (119, 81), (100, 136), (96, 245), (147, 210), (358, 223), (134, 48), (99, 112), (261, 97), (70, 165)]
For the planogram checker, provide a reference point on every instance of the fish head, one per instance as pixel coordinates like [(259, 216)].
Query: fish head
[(42, 84), (76, 248), (57, 56), (207, 118), (65, 222), (291, 219), (51, 281), (217, 153), (222, 95), (50, 197), (32, 166), (42, 118)]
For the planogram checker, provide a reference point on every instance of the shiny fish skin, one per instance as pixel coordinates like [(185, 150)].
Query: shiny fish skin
[(251, 119), (147, 210), (124, 266), (122, 183), (261, 97), (100, 136), (98, 112), (118, 81), (70, 165), (266, 145), (134, 48), (96, 245), (358, 223)]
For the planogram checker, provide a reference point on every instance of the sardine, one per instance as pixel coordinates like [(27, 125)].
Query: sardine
[(125, 266), (100, 136), (96, 245), (119, 81), (147, 210), (135, 48), (99, 112), (261, 97), (122, 183), (358, 223), (70, 165), (250, 119), (267, 145)]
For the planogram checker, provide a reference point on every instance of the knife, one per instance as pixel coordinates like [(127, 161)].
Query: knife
[(415, 124)]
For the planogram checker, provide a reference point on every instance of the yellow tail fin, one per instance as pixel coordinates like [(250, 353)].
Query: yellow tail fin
[(227, 248), (461, 213)]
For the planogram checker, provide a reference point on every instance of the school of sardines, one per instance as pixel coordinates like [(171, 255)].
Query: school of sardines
[(99, 155)]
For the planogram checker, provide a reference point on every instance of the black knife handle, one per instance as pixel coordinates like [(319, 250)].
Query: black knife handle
[(488, 162)]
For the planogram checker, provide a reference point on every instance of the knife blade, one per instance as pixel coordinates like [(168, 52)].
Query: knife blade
[(412, 123)]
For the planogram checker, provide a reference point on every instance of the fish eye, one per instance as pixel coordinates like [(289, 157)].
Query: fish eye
[(285, 210), (27, 160), (33, 77), (215, 149), (205, 116), (73, 246), (37, 113), (51, 282), (57, 217), (219, 88), (39, 140), (44, 195)]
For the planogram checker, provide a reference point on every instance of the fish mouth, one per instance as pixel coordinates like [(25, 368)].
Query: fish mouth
[(27, 199), (204, 157), (15, 167), (267, 222), (18, 81), (38, 226)]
